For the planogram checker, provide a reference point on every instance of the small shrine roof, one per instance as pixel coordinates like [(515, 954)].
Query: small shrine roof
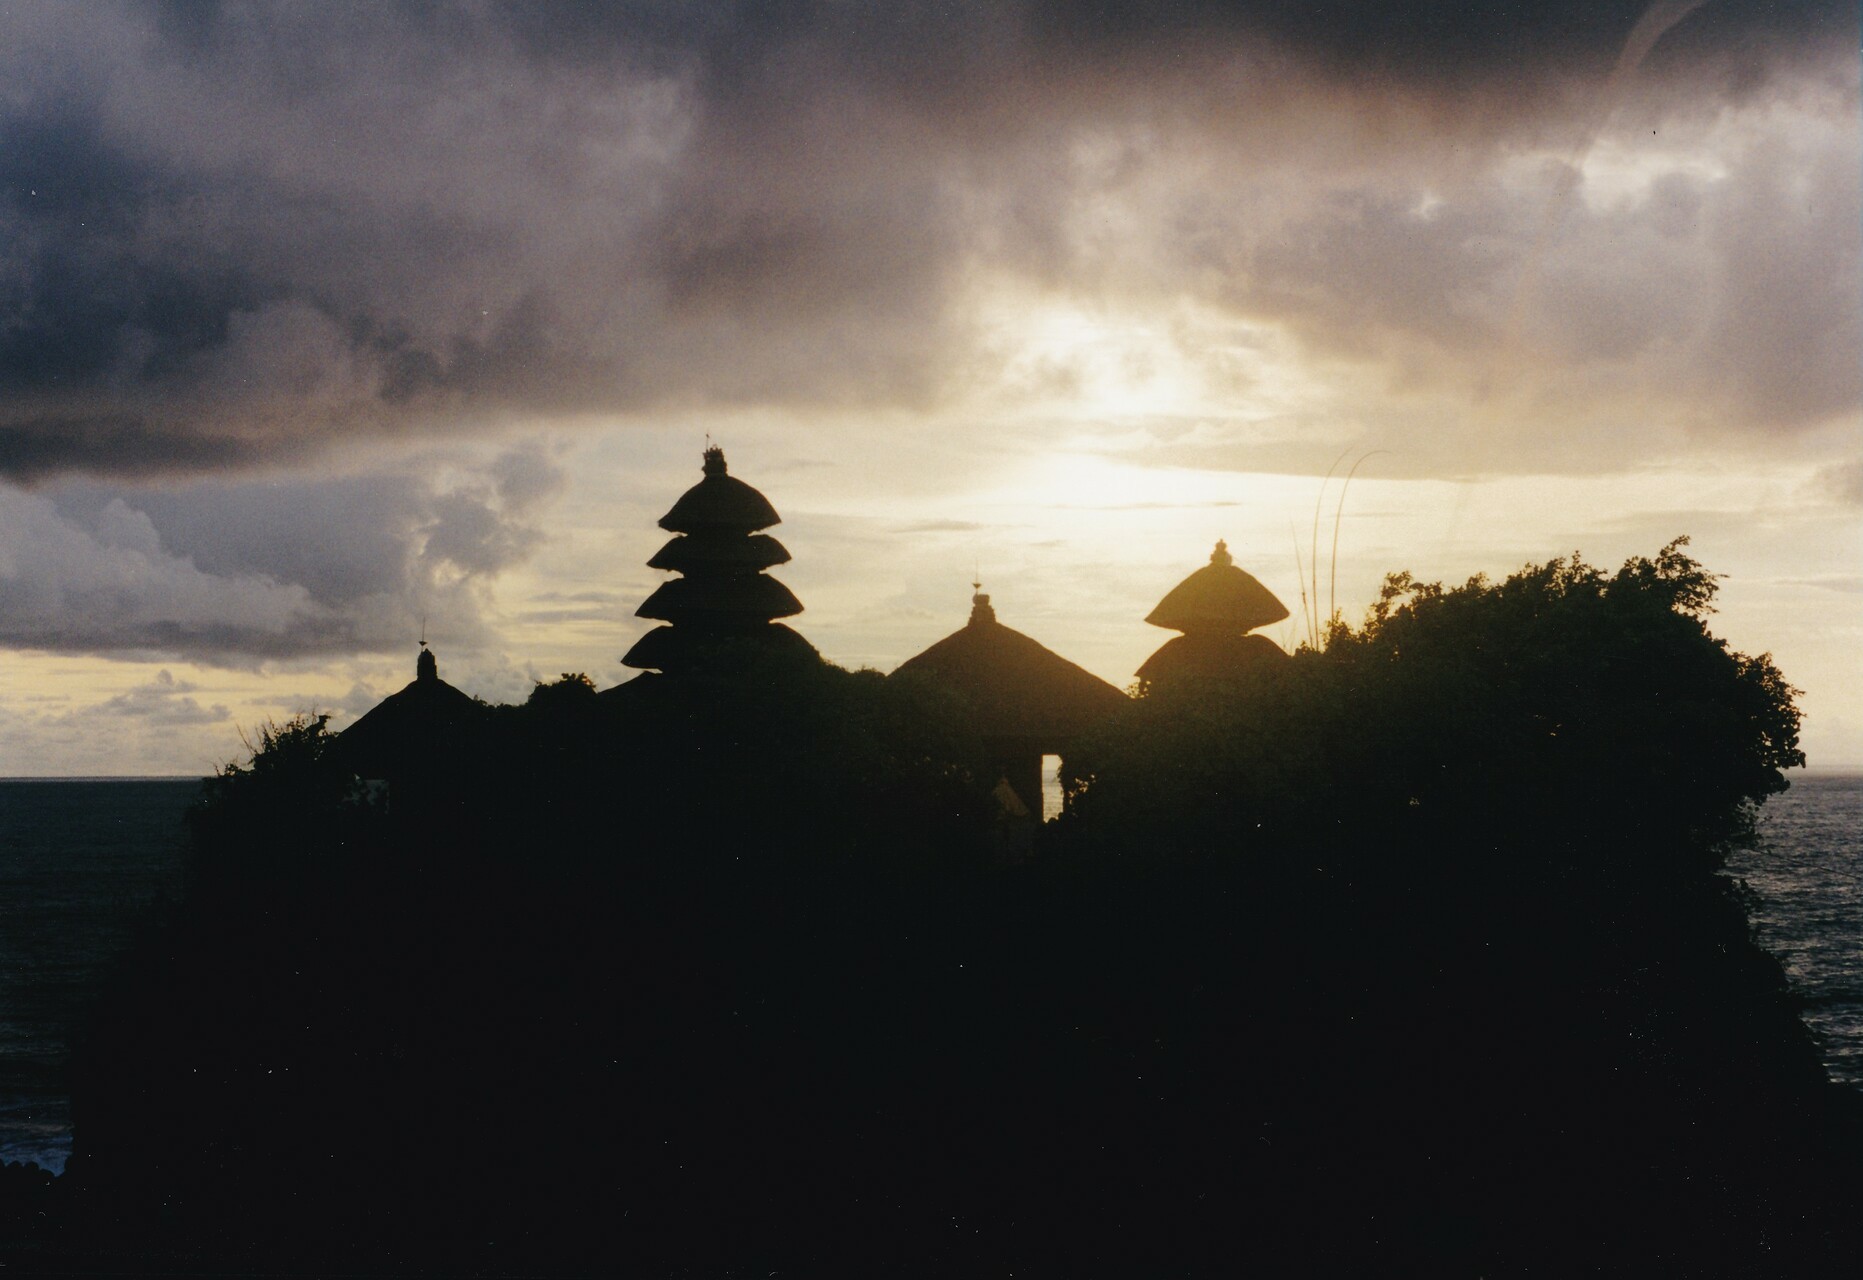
[(1218, 598), (1014, 685), (1210, 656), (426, 717)]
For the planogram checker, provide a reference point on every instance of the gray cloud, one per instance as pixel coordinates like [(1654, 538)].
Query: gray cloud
[(940, 526), (1840, 482), (1141, 506), (254, 233), (163, 701), (1720, 303), (1846, 585), (239, 572)]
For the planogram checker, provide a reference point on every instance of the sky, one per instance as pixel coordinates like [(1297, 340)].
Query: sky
[(321, 325)]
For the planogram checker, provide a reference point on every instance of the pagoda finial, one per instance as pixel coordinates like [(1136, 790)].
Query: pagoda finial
[(1221, 554), (714, 460), (980, 610)]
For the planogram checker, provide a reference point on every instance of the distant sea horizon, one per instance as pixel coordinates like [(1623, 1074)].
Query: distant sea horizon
[(104, 777)]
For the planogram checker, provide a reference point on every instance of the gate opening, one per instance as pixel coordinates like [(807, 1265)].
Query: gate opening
[(1050, 788)]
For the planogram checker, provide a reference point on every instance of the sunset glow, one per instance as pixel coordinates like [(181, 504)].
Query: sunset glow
[(428, 326)]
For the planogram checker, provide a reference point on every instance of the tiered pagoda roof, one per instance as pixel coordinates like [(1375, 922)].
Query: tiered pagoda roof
[(723, 598), (1215, 608)]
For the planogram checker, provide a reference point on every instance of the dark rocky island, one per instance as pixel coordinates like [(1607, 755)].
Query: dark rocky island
[(1407, 955)]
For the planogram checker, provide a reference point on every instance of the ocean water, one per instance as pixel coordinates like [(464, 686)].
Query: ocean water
[(1808, 872), (80, 863), (82, 860)]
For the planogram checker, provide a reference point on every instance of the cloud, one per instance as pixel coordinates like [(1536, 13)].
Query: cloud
[(1840, 482), (940, 526), (247, 236), (1851, 585), (1140, 506), (242, 572), (112, 587), (163, 701)]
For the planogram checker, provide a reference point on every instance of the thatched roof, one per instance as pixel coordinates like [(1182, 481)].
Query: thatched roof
[(722, 608), (746, 598), (684, 649), (1219, 599), (717, 552), (1210, 657), (1014, 686), (407, 731), (719, 502)]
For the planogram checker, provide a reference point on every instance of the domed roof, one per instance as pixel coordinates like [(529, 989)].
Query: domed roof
[(719, 502), (1014, 685), (1218, 598)]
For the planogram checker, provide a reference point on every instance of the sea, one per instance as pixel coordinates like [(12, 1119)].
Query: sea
[(84, 860)]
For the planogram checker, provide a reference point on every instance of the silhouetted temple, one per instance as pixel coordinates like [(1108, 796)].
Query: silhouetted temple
[(720, 617), (1215, 608), (1023, 700), (413, 736), (723, 600)]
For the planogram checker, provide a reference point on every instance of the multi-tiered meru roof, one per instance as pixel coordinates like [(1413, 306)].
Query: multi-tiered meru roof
[(723, 601)]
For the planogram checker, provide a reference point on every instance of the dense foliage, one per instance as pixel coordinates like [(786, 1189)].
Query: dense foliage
[(1404, 956), (1563, 711)]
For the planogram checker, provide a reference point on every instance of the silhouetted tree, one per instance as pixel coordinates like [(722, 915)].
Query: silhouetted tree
[(572, 687)]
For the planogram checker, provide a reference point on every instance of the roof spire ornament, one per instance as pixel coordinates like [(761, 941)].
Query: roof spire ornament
[(980, 610), (426, 666)]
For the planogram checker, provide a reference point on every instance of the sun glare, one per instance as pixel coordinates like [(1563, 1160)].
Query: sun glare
[(1061, 355)]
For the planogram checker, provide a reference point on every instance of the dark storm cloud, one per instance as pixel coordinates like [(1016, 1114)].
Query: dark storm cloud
[(1435, 42), (35, 447), (1448, 42), (234, 234)]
